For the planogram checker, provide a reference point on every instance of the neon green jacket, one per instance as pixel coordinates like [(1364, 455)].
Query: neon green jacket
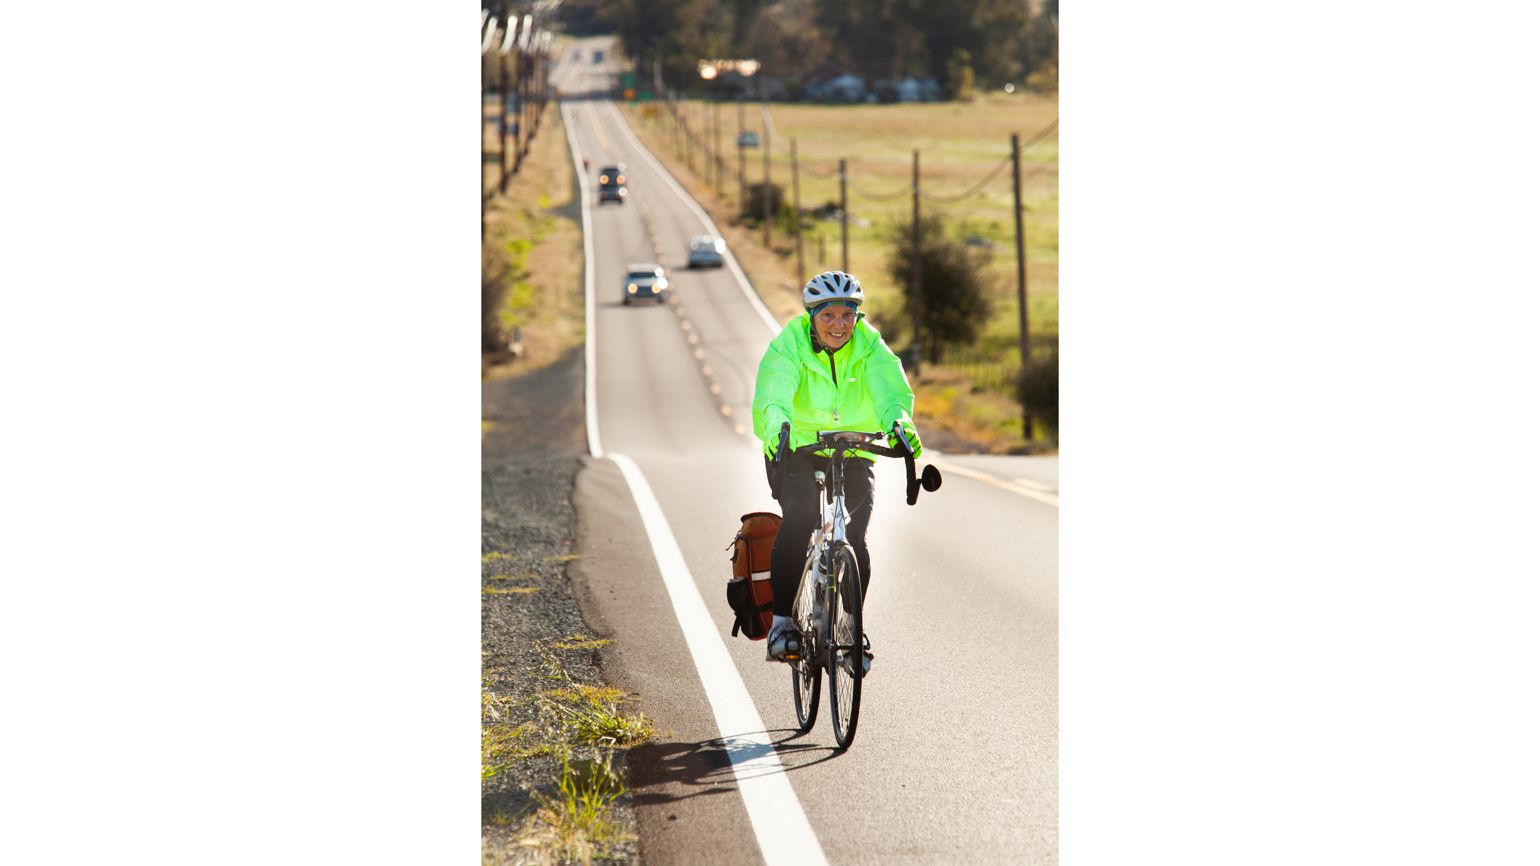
[(862, 387)]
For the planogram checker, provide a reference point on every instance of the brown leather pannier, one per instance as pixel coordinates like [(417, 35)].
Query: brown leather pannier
[(748, 592)]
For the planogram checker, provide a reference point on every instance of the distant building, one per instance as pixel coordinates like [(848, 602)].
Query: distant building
[(843, 88)]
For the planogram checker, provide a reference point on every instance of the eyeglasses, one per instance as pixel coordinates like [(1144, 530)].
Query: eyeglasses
[(836, 314)]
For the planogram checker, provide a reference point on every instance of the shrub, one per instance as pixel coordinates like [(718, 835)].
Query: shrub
[(1038, 390), (954, 282), (753, 207)]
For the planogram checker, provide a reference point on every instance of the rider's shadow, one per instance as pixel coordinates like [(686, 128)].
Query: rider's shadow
[(658, 770)]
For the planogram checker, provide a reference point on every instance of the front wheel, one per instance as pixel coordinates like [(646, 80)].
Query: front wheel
[(843, 645), (806, 683)]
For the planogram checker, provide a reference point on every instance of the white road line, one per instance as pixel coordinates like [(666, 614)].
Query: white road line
[(590, 367), (705, 218), (780, 825)]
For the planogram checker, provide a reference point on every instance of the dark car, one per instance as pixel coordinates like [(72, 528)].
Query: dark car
[(612, 184), (706, 251), (645, 281)]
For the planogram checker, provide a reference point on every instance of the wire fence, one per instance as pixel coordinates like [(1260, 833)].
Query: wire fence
[(986, 371)]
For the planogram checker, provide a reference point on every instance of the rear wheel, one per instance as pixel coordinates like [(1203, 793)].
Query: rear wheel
[(842, 643)]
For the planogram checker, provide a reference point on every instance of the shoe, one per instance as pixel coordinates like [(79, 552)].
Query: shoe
[(784, 645), (866, 658)]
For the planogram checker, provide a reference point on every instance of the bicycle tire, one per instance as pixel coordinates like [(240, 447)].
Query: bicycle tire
[(842, 634), (806, 685)]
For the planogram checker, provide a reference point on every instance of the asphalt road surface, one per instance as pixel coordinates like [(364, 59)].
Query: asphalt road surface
[(956, 757)]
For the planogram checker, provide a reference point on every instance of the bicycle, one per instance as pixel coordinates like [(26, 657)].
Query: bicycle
[(827, 608)]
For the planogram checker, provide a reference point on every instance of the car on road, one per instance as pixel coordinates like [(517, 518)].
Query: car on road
[(645, 280), (612, 184), (707, 251), (748, 138)]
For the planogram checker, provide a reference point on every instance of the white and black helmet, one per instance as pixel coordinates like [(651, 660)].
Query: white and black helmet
[(832, 286)]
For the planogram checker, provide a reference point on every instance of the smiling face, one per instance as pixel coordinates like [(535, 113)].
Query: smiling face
[(834, 324)]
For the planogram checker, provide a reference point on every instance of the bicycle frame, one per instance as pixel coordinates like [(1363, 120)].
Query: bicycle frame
[(827, 533), (829, 530)]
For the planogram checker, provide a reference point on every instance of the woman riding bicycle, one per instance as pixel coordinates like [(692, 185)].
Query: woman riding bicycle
[(828, 369)]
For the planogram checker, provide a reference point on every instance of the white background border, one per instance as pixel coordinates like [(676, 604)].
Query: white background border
[(241, 505)]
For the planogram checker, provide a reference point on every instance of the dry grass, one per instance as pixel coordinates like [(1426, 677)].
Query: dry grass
[(535, 227)]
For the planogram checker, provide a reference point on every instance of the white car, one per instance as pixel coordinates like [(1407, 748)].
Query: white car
[(707, 251), (645, 281)]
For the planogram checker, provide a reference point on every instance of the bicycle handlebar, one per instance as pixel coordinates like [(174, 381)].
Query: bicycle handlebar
[(841, 441)]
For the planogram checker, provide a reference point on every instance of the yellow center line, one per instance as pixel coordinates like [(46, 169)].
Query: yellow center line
[(598, 132), (1039, 495)]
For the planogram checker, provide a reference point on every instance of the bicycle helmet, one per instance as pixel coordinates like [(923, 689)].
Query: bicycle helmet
[(831, 286)]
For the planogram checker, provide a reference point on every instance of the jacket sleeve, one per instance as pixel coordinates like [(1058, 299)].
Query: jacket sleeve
[(775, 387), (892, 398)]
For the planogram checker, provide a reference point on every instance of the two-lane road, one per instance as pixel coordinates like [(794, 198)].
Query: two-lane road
[(956, 760)]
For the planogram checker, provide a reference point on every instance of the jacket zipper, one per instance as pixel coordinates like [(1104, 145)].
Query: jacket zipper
[(836, 377)]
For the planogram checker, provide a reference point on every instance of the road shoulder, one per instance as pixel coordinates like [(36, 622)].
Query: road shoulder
[(539, 656)]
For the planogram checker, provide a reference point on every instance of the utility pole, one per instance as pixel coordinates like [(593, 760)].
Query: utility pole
[(916, 290), (716, 125), (796, 208), (765, 190), (518, 95), (1021, 276), (502, 123), (743, 189), (844, 224)]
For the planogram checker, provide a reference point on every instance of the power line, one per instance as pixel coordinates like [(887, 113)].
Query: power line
[(872, 196), (1041, 135), (951, 199)]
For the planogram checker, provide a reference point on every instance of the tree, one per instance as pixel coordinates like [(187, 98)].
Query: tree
[(959, 75), (954, 279), (781, 38)]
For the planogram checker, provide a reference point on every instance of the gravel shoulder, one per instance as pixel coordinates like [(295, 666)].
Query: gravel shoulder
[(535, 643)]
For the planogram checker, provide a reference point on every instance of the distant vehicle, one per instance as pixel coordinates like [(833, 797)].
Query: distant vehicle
[(748, 138), (645, 281), (612, 184), (598, 56), (707, 251)]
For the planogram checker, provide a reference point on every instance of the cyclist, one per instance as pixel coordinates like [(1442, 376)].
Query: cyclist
[(828, 369)]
